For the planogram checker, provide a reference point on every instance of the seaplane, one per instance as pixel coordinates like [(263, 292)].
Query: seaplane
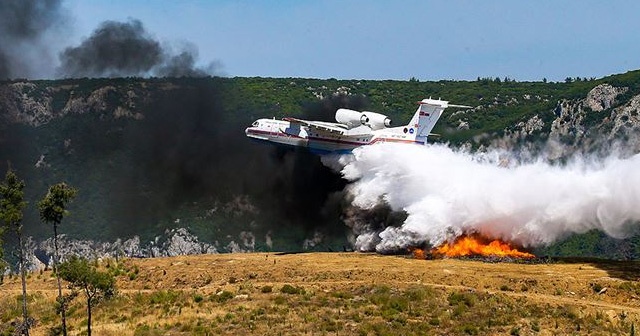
[(352, 129)]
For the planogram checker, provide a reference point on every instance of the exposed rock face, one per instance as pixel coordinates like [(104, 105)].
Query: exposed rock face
[(178, 242), (593, 123), (525, 128), (35, 105), (462, 125), (603, 97), (626, 118), (96, 101), (26, 104), (572, 115), (569, 120), (173, 243), (247, 243)]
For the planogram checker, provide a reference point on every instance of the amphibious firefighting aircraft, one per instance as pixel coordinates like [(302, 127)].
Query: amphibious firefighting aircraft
[(353, 129)]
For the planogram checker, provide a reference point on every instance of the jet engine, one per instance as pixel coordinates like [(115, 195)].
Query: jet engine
[(376, 120), (351, 118)]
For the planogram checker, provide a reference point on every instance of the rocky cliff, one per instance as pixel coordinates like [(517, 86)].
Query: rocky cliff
[(602, 120)]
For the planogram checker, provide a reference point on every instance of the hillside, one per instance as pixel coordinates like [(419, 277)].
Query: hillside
[(347, 294), (152, 155)]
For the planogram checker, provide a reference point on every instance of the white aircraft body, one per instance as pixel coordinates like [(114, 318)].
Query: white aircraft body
[(353, 129)]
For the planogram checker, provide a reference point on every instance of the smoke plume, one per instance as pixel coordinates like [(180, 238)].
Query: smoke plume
[(188, 149), (25, 26), (120, 49), (446, 193), (31, 30)]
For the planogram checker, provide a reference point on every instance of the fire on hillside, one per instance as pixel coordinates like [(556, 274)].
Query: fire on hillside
[(473, 245)]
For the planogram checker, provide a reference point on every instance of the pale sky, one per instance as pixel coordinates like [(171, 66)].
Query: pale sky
[(378, 39)]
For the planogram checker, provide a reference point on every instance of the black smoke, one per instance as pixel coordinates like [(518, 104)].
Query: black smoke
[(189, 149), (32, 30), (24, 47), (121, 49), (184, 64), (115, 49)]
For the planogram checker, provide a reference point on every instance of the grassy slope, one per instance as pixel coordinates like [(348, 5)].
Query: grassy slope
[(347, 294)]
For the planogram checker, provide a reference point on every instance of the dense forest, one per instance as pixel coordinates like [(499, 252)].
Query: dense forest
[(153, 154)]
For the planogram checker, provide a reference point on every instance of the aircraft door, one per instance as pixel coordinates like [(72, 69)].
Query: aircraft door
[(293, 129)]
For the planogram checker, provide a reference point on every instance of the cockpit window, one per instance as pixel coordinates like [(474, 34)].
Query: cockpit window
[(255, 124)]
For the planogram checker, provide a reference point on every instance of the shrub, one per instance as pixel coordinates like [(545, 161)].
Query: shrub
[(399, 304), (342, 295), (418, 293), (470, 329), (164, 297), (222, 297), (288, 289), (467, 299), (535, 326)]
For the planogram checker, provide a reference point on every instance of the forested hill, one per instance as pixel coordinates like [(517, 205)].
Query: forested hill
[(154, 154)]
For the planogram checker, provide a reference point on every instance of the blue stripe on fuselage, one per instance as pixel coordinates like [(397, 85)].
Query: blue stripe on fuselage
[(316, 151)]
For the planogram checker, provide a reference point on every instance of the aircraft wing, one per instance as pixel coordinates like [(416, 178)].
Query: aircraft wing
[(319, 126)]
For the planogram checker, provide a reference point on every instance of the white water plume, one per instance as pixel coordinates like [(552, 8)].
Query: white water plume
[(446, 193)]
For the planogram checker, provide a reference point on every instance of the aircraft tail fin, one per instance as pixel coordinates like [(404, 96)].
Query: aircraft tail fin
[(427, 115)]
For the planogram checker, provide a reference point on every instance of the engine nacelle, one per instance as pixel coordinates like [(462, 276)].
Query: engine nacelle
[(377, 120), (351, 118)]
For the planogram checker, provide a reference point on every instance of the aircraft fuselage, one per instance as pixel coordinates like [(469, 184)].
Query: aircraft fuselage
[(282, 132), (352, 129)]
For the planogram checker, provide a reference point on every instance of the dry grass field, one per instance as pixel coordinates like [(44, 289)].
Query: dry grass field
[(345, 294)]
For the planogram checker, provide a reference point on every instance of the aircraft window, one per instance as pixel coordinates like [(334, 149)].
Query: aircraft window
[(255, 124)]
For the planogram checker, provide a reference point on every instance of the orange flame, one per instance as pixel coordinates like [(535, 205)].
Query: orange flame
[(418, 253), (469, 245)]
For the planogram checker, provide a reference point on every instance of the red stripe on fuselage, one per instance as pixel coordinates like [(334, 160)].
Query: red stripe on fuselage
[(343, 142), (366, 143), (396, 140), (275, 133), (339, 141)]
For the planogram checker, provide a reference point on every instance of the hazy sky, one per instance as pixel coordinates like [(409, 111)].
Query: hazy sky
[(378, 39)]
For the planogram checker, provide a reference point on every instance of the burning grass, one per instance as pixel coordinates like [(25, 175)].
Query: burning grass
[(476, 247)]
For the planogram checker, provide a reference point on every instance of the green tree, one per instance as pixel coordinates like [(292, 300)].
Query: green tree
[(95, 284), (52, 209), (11, 206)]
